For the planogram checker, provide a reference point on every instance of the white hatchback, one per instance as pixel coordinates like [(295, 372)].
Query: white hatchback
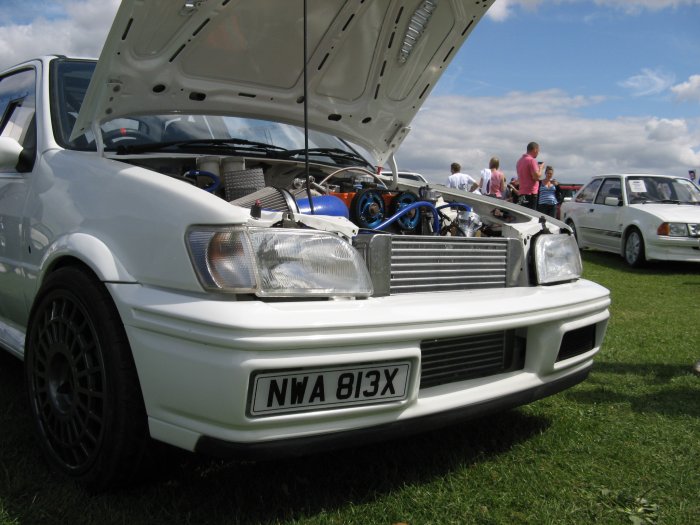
[(185, 257), (642, 217)]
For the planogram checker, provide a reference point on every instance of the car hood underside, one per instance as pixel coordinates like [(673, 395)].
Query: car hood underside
[(370, 64)]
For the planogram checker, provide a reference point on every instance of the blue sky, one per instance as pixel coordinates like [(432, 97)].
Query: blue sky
[(631, 58), (603, 85)]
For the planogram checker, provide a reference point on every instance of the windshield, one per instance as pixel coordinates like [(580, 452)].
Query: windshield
[(180, 133), (645, 189)]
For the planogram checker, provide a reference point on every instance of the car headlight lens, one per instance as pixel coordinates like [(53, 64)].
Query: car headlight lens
[(673, 229), (272, 262), (557, 258)]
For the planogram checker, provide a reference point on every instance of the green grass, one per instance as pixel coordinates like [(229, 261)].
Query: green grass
[(622, 447)]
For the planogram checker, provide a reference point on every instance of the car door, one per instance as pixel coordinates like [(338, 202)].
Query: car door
[(604, 224), (17, 107), (581, 210)]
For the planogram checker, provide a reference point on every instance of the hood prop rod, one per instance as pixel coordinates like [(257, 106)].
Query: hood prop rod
[(306, 120)]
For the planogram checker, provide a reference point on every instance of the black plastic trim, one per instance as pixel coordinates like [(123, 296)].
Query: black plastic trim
[(303, 446)]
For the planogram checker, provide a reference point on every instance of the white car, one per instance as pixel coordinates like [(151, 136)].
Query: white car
[(170, 268), (642, 217), (412, 176)]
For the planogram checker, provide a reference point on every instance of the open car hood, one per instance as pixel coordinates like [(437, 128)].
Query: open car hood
[(371, 64)]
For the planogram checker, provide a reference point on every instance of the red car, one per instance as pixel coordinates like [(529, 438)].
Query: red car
[(568, 191)]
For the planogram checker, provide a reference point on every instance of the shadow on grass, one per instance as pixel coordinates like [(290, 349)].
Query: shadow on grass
[(659, 392), (192, 489), (615, 261)]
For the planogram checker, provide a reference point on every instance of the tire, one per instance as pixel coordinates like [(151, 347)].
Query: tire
[(84, 394), (634, 248)]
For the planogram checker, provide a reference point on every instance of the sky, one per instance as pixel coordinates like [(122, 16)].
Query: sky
[(603, 86)]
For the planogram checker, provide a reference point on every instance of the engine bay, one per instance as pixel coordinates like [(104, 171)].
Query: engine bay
[(370, 201)]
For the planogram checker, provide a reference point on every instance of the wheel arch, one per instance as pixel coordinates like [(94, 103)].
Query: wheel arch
[(87, 251), (111, 454), (626, 231), (569, 221)]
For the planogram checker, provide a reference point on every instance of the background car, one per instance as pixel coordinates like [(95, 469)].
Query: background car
[(642, 217), (405, 176)]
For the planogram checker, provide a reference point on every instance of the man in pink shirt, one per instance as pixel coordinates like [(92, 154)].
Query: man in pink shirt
[(529, 174)]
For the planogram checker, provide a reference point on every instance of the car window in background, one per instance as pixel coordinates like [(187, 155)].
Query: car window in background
[(587, 194), (610, 188), (17, 105), (661, 189), (569, 190), (686, 191)]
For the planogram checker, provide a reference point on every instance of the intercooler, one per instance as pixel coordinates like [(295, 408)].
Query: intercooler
[(402, 264), (454, 359)]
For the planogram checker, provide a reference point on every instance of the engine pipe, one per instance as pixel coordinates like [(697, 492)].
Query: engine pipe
[(455, 205), (216, 180), (406, 209)]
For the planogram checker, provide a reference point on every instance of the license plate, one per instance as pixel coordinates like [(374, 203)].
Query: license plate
[(325, 388)]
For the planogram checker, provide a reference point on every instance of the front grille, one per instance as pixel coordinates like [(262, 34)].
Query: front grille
[(453, 359), (402, 264), (436, 264), (576, 342)]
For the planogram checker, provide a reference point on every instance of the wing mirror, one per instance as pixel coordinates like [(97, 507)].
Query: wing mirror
[(612, 201), (10, 150)]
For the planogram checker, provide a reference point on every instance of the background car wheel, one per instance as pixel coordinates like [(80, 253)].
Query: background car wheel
[(83, 390), (634, 248)]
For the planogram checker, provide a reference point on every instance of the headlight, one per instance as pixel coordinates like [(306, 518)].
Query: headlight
[(273, 262), (673, 229), (557, 258)]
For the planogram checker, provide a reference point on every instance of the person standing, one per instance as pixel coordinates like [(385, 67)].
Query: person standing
[(497, 181), (512, 191), (460, 180), (529, 175), (548, 196), (485, 181)]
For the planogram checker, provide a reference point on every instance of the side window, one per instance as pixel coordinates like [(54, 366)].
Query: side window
[(17, 106), (587, 194), (610, 188)]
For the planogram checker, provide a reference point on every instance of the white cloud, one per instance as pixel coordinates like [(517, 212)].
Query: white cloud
[(688, 91), (78, 28), (635, 6), (503, 9), (648, 82), (666, 130), (470, 130)]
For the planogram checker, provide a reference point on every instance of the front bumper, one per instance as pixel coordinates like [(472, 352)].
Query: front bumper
[(662, 248), (291, 447), (195, 356)]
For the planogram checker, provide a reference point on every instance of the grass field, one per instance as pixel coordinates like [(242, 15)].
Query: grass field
[(622, 447)]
